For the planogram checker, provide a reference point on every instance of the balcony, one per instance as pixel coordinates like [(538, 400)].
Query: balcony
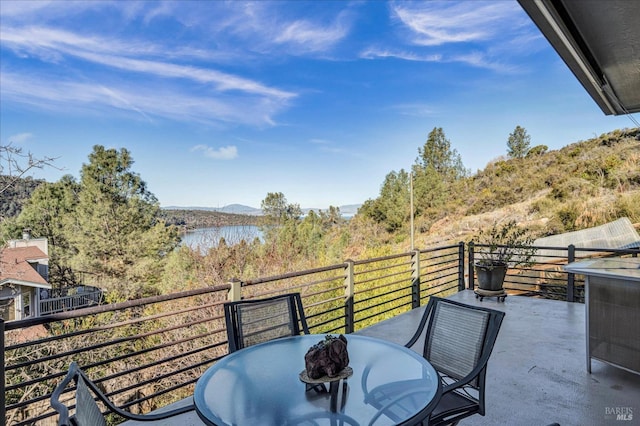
[(149, 353), (77, 297), (537, 372)]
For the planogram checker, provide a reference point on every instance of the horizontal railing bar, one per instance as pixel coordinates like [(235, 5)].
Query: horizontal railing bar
[(383, 277), (115, 325), (382, 268), (291, 275), (402, 296), (383, 312), (381, 259), (29, 322), (112, 342), (121, 357), (371, 289), (433, 250)]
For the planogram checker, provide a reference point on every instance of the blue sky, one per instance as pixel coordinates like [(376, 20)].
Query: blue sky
[(222, 102)]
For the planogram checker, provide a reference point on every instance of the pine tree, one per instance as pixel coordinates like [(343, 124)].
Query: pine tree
[(438, 155), (392, 206), (518, 143), (48, 214), (277, 210), (437, 167), (116, 229)]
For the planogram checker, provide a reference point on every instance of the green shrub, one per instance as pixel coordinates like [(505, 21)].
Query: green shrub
[(567, 215), (537, 151), (628, 205)]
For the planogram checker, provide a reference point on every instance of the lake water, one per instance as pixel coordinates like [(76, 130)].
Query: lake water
[(205, 238)]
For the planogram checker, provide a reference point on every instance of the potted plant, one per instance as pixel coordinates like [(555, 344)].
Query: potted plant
[(503, 246)]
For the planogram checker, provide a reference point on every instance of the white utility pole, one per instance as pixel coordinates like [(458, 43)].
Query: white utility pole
[(411, 207)]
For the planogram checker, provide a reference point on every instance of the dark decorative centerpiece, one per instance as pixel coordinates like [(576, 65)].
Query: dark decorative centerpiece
[(329, 357)]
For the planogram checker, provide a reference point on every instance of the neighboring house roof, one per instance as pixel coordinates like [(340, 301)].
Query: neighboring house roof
[(15, 266), (619, 234)]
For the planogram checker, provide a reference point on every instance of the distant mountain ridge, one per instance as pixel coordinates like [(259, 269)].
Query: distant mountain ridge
[(346, 210), (231, 208)]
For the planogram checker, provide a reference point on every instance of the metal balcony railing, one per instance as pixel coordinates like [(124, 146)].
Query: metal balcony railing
[(149, 352), (69, 302), (544, 277)]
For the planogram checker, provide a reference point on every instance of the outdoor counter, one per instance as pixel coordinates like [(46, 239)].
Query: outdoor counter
[(612, 303)]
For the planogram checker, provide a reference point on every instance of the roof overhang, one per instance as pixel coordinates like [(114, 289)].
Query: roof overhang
[(25, 283), (600, 42)]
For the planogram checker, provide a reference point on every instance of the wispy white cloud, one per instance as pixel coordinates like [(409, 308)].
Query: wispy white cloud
[(480, 59), (26, 9), (276, 28), (480, 34), (476, 58), (223, 153), (158, 10), (309, 36), (325, 145), (20, 138), (436, 23), (374, 53), (54, 45), (147, 102), (92, 67)]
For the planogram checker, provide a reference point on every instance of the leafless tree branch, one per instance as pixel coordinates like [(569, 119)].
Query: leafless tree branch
[(15, 163)]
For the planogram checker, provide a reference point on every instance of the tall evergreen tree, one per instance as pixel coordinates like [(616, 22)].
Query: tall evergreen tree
[(438, 154), (277, 210), (392, 206), (116, 228), (438, 165), (47, 213), (518, 143)]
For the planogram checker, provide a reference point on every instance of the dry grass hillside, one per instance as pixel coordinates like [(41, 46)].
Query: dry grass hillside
[(582, 185)]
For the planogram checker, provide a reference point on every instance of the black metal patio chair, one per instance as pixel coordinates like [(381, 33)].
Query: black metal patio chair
[(87, 412), (458, 341), (254, 321)]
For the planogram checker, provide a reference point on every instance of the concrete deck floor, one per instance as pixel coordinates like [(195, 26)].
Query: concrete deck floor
[(537, 373)]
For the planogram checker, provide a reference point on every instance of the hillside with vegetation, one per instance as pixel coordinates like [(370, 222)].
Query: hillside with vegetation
[(14, 193), (583, 184), (188, 219), (109, 228)]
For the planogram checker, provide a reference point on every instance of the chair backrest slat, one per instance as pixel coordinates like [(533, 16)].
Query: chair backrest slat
[(265, 321), (87, 411), (456, 339), (254, 321)]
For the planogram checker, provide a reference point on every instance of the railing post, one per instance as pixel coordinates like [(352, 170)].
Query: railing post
[(472, 276), (461, 285), (415, 279), (3, 405), (349, 291), (571, 257), (235, 292)]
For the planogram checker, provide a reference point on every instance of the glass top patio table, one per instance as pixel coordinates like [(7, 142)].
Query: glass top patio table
[(260, 385)]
